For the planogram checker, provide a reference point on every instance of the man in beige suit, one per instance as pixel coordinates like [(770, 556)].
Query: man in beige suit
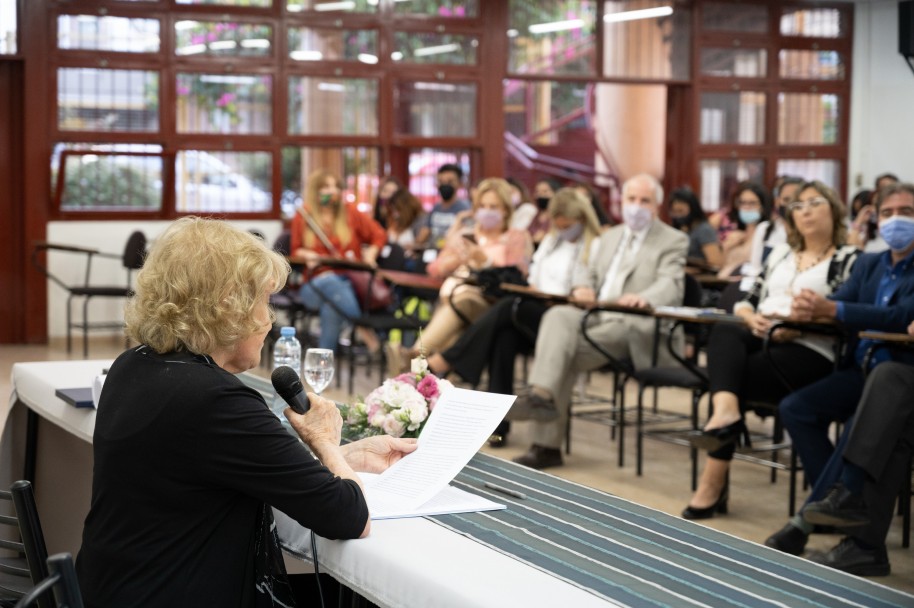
[(639, 264)]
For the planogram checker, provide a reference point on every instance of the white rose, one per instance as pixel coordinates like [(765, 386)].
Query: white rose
[(419, 365)]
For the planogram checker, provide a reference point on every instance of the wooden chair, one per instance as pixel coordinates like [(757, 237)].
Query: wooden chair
[(132, 259)]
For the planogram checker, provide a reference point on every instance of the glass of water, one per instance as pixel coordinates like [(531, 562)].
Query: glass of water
[(319, 368)]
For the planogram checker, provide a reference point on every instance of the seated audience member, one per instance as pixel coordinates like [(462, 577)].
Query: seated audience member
[(405, 219), (862, 198), (510, 326), (543, 191), (859, 486), (885, 180), (739, 370), (687, 215), (325, 226), (591, 194), (478, 239), (772, 231), (863, 231), (189, 460), (875, 459), (879, 296), (442, 215), (750, 207), (389, 186), (524, 210), (639, 264)]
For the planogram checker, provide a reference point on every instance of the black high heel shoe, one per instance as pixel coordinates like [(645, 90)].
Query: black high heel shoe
[(712, 440), (720, 506)]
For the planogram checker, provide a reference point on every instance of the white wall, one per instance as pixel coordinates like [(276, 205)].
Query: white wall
[(109, 237), (882, 99)]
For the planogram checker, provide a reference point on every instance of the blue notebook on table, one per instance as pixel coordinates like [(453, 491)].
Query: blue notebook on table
[(77, 397)]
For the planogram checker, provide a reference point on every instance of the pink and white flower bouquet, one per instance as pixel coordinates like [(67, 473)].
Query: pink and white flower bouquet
[(399, 407)]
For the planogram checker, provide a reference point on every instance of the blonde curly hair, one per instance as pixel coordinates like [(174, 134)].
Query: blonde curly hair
[(199, 285)]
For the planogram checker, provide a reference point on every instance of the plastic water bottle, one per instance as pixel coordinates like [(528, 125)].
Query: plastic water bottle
[(286, 351)]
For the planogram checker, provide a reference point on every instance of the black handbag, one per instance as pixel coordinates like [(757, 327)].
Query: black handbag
[(490, 279)]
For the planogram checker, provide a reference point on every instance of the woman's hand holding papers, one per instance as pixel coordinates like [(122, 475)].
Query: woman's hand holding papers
[(376, 454)]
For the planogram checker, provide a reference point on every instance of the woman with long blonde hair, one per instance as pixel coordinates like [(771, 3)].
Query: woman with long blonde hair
[(325, 226)]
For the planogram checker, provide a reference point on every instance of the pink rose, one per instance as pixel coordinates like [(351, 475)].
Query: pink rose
[(428, 387), (407, 378)]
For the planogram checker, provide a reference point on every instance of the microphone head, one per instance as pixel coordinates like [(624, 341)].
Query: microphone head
[(286, 382)]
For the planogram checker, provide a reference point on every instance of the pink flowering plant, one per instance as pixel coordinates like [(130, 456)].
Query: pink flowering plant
[(399, 407)]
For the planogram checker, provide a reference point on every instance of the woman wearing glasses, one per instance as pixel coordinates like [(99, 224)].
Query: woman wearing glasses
[(815, 258)]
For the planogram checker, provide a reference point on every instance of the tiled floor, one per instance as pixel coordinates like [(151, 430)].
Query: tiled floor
[(757, 507)]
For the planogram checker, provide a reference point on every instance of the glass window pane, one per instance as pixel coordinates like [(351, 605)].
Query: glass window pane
[(8, 27), (332, 6), (730, 17), (229, 2), (552, 37), (459, 9), (435, 109), (226, 39), (412, 47), (546, 113), (811, 65), (358, 167), (736, 118), (119, 34), (224, 103), (223, 182), (826, 171), (333, 106), (423, 172), (807, 118), (90, 99), (97, 180), (719, 179), (327, 44), (646, 39), (742, 63), (815, 22)]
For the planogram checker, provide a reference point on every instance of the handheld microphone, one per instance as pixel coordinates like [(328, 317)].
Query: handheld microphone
[(288, 385)]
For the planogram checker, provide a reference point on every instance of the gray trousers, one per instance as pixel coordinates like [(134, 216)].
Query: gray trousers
[(562, 353), (880, 443)]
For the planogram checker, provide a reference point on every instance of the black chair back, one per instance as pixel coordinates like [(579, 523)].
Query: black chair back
[(135, 251), (61, 586)]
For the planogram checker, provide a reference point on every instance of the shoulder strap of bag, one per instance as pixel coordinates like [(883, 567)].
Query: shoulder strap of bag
[(316, 229)]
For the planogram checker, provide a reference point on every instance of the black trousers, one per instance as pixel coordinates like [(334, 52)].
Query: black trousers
[(738, 364), (493, 341)]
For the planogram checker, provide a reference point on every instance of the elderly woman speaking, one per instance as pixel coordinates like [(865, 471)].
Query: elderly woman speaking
[(188, 460)]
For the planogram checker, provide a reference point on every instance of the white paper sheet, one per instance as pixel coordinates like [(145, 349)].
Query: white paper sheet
[(448, 500), (460, 423)]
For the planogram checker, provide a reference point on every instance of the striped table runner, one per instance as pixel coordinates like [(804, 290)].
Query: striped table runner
[(636, 556)]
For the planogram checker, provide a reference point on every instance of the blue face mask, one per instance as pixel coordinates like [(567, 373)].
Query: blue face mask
[(897, 231), (750, 216)]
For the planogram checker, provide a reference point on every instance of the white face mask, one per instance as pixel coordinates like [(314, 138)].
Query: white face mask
[(636, 217)]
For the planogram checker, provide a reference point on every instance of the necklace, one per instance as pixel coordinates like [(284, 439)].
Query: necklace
[(819, 258)]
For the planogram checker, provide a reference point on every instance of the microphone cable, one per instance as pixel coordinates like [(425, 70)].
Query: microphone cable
[(317, 573)]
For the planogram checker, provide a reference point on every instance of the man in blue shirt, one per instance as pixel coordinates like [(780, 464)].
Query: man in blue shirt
[(437, 223), (879, 295)]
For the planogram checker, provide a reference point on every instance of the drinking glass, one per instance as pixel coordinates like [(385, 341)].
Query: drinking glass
[(319, 368)]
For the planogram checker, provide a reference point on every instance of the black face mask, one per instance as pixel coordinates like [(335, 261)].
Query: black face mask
[(542, 202), (679, 221), (446, 191)]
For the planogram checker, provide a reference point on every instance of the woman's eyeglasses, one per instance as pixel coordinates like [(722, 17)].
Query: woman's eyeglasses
[(811, 203)]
